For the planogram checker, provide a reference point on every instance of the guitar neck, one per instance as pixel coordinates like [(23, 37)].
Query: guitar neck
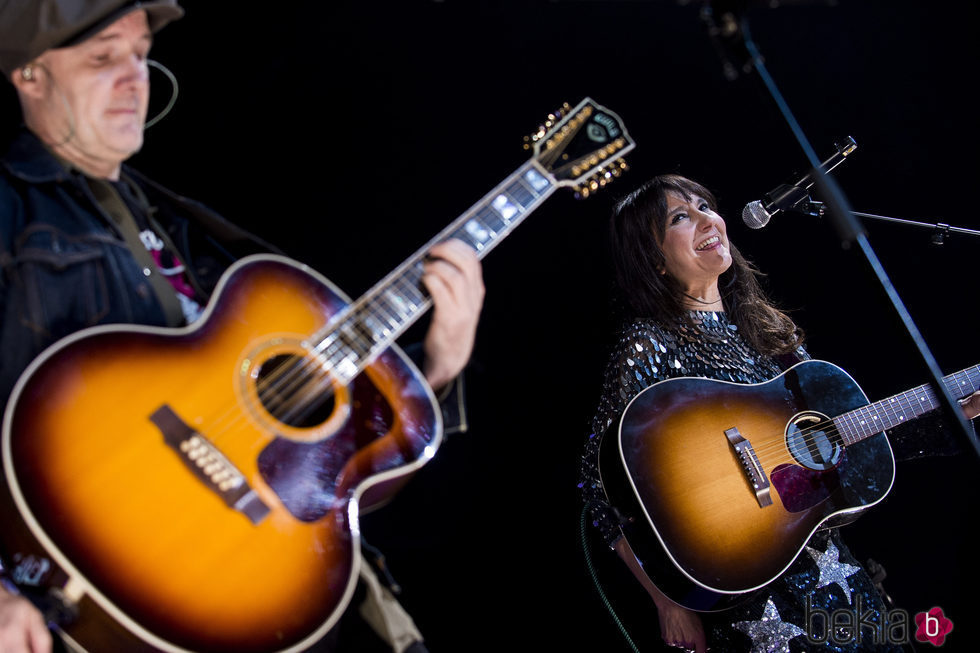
[(579, 147), (372, 323), (888, 413)]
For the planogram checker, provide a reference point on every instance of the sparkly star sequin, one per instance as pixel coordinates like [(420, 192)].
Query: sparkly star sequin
[(770, 634), (831, 570)]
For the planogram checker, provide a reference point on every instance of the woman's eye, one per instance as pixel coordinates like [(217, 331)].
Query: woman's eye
[(704, 207), (677, 218)]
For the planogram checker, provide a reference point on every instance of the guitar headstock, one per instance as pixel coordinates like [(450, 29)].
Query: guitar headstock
[(581, 146)]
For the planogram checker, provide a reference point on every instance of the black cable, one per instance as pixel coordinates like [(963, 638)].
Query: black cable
[(598, 586)]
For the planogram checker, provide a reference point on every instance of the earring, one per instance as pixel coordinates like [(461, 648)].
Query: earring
[(27, 73)]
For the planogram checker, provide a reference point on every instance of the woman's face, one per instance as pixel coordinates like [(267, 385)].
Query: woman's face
[(695, 244)]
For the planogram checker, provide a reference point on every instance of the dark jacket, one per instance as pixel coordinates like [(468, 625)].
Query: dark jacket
[(64, 267)]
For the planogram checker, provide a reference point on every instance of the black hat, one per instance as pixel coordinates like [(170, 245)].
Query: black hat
[(29, 27)]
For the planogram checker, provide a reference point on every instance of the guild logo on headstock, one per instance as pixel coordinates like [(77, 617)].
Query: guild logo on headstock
[(606, 130), (596, 133)]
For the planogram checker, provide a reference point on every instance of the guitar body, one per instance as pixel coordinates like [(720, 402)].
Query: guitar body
[(702, 533), (198, 489)]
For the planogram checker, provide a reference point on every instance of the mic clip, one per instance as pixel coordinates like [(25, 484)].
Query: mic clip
[(810, 208), (793, 199)]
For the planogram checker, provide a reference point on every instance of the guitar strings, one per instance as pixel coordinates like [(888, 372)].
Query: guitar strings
[(290, 393), (894, 409), (329, 353), (294, 390), (808, 437), (334, 352), (285, 381)]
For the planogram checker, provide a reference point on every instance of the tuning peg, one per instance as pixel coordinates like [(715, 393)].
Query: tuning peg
[(529, 141), (602, 177), (560, 113), (588, 187), (553, 119), (613, 172)]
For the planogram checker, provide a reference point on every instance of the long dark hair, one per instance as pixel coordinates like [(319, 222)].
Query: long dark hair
[(637, 228)]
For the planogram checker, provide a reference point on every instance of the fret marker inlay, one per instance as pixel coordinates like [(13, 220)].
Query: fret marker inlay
[(537, 182), (504, 207)]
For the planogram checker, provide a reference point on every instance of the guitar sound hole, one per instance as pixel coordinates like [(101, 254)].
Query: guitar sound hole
[(814, 441), (295, 390)]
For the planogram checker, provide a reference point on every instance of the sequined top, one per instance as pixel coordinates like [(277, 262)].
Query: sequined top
[(825, 574), (647, 353)]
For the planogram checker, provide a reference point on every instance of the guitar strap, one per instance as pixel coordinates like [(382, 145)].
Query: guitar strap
[(381, 610), (113, 205)]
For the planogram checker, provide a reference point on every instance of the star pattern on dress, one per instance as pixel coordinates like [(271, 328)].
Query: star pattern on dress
[(832, 570), (770, 634)]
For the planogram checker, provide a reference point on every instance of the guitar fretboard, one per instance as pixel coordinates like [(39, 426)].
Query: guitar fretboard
[(372, 324), (888, 413)]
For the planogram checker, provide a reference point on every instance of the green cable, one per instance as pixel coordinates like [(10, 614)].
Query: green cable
[(598, 587)]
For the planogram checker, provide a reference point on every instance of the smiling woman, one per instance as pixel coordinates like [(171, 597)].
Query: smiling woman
[(667, 264), (695, 308), (695, 245)]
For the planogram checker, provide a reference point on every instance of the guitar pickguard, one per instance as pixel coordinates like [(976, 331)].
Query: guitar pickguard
[(305, 475), (801, 489)]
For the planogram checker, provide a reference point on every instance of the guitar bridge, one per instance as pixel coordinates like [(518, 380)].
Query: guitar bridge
[(209, 465), (751, 466)]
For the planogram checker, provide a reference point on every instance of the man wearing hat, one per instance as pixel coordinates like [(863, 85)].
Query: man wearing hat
[(85, 240)]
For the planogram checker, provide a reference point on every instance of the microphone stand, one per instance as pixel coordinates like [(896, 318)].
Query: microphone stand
[(940, 230), (852, 234)]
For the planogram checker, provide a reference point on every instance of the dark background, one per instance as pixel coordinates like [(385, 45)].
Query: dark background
[(351, 133)]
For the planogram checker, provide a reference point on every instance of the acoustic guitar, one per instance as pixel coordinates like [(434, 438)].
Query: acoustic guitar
[(725, 482), (199, 488)]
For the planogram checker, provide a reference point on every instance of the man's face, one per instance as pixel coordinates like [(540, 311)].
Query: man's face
[(98, 93)]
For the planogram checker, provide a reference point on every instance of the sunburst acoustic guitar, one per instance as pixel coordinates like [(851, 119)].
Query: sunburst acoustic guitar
[(726, 482), (199, 489)]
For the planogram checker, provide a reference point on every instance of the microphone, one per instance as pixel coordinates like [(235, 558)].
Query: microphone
[(757, 214), (793, 198)]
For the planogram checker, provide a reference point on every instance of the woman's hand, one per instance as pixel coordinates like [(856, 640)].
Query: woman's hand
[(681, 627), (971, 405)]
